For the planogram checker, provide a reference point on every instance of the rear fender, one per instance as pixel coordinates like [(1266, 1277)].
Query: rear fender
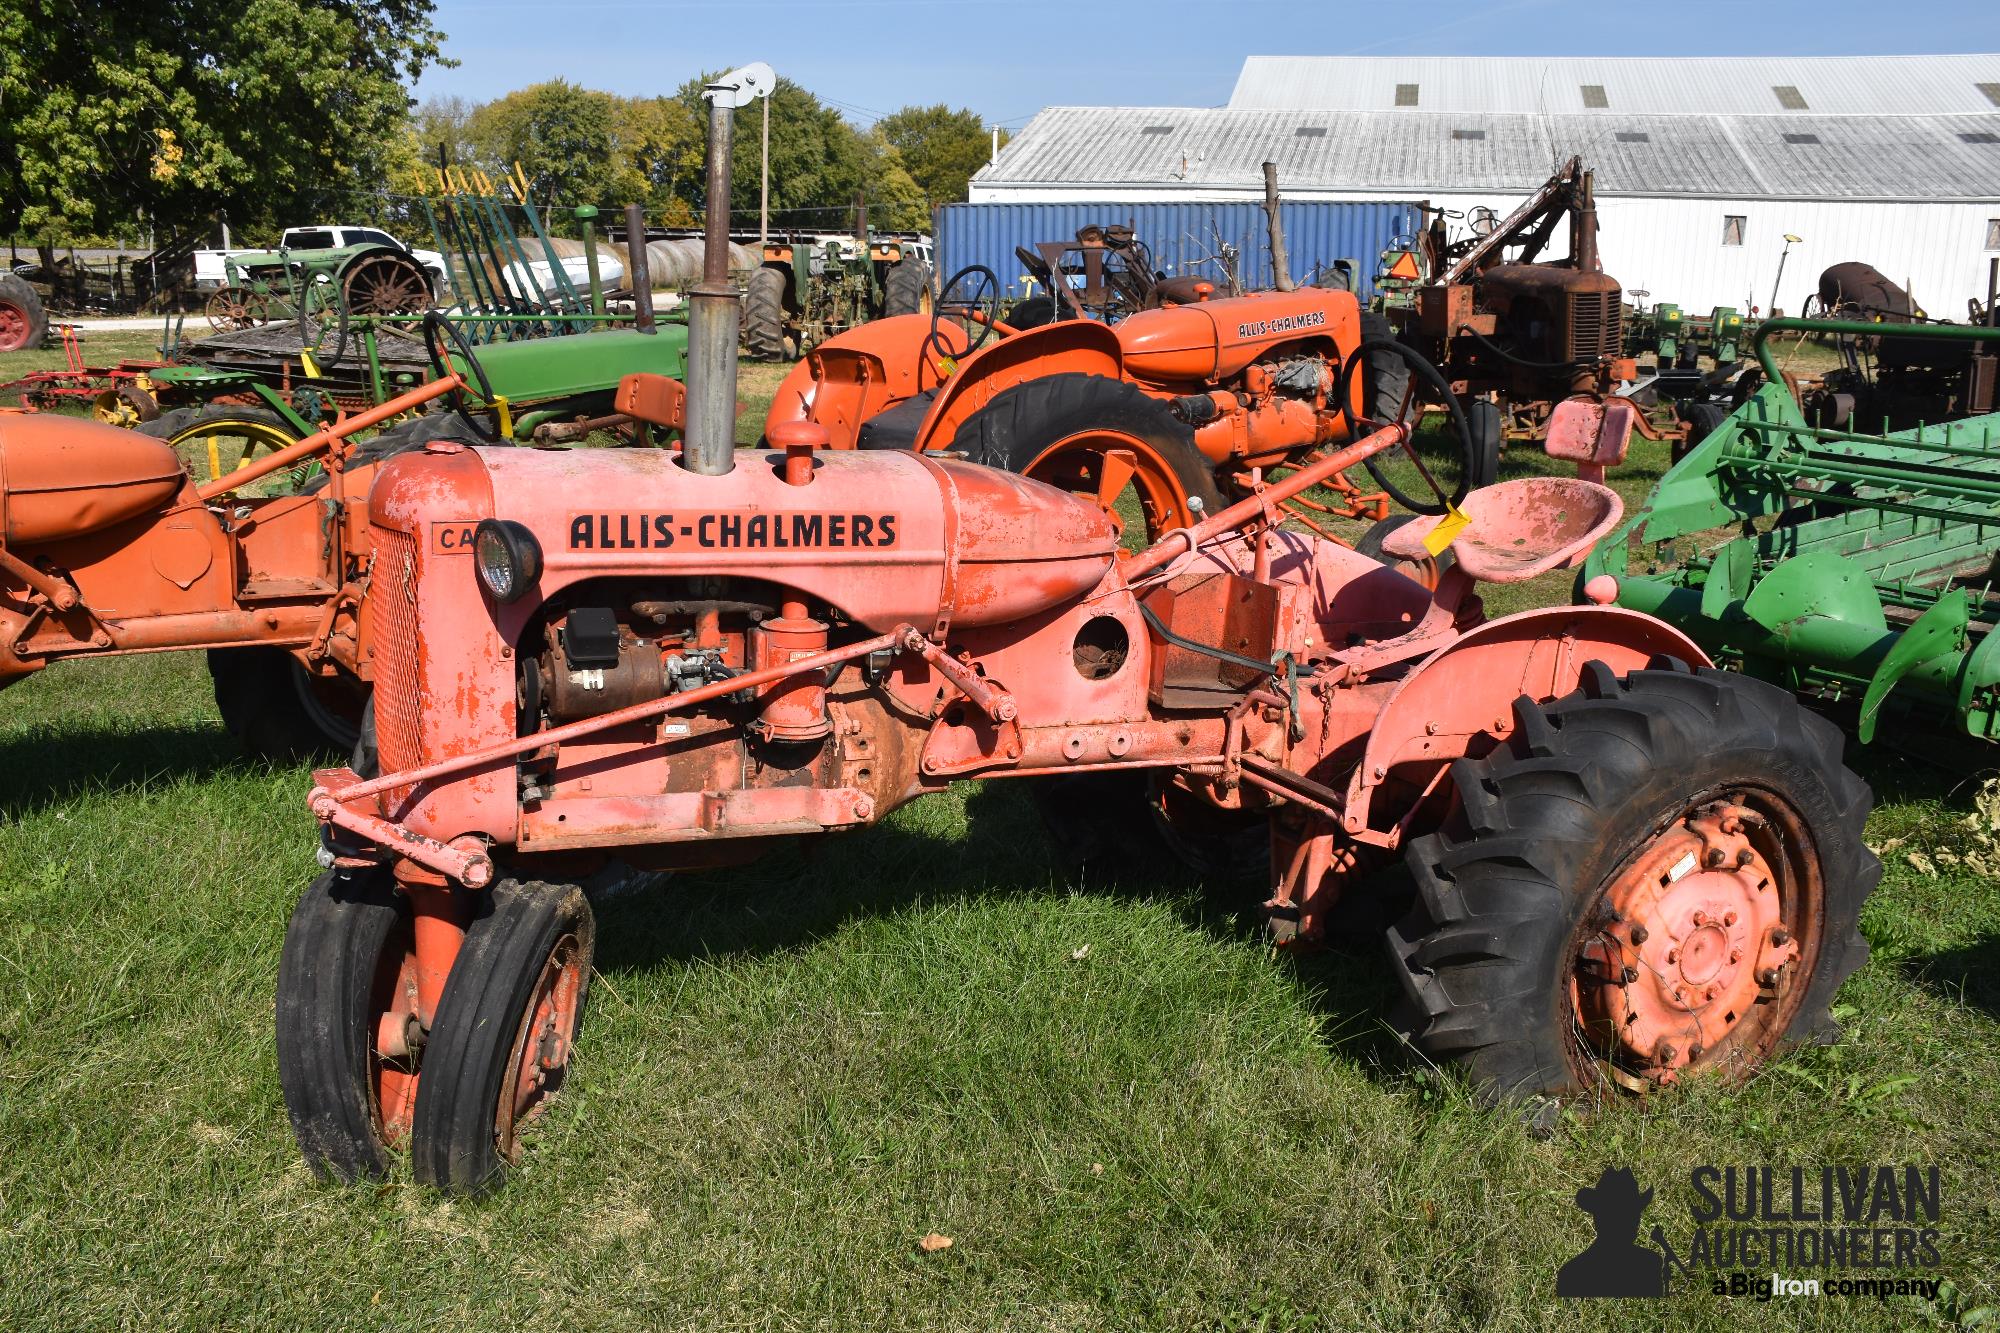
[(1462, 696), (1069, 347), (852, 377)]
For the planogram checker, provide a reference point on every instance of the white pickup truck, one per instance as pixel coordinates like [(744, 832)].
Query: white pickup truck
[(210, 271)]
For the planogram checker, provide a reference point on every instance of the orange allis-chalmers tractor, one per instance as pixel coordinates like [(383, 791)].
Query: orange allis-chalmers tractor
[(1186, 406), (1629, 867)]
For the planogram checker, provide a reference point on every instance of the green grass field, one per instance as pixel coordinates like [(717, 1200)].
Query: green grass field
[(1123, 1111)]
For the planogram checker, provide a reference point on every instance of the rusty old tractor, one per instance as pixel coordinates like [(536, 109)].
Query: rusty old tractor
[(1515, 332), (1164, 417), (109, 545), (1630, 868)]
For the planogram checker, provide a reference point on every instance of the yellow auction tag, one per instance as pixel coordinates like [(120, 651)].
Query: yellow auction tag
[(309, 363), (1447, 529)]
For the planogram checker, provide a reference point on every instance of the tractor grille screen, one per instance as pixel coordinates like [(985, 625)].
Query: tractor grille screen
[(1594, 325), (397, 734)]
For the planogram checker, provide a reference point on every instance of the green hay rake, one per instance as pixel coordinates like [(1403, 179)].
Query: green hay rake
[(1862, 568)]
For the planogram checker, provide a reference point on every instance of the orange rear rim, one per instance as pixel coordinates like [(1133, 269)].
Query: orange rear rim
[(1105, 464), (1699, 950)]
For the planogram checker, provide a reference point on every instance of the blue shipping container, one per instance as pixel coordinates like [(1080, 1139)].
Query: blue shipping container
[(1183, 237)]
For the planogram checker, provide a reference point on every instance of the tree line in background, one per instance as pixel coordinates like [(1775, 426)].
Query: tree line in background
[(577, 145), (132, 116)]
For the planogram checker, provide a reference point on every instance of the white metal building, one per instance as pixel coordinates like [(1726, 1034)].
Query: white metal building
[(1703, 166)]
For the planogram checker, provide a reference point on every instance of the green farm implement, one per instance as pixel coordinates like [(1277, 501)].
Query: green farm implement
[(1856, 568)]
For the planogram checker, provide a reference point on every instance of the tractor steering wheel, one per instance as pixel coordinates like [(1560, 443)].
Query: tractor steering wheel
[(436, 324), (985, 292), (1401, 387)]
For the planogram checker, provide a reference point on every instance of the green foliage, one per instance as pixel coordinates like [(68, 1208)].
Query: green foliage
[(267, 110), (940, 148), (559, 133), (818, 160)]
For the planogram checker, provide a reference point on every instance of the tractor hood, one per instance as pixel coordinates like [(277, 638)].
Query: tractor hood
[(1215, 340)]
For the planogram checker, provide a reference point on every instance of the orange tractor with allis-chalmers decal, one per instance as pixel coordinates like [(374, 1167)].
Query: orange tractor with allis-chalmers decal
[(1187, 407), (1629, 868)]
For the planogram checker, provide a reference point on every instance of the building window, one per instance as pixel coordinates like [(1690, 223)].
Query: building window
[(1634, 136), (1992, 91), (1801, 138), (1993, 233), (1789, 97), (1406, 94), (1593, 96), (1980, 136), (1312, 131), (1468, 134), (1157, 129), (1732, 229)]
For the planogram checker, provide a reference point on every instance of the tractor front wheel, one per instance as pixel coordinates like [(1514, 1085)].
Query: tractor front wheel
[(1652, 878), (348, 965), (1101, 437), (500, 1045)]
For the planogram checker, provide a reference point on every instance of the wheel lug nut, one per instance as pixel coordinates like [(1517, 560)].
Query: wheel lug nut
[(1631, 974), (1768, 977), (1664, 1053), (1694, 1052), (1735, 955), (1639, 934), (1673, 956), (1729, 918), (1744, 856)]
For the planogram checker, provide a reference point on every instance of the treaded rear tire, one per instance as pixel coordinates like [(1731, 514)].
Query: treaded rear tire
[(469, 1053), (1020, 423), (261, 694), (16, 291), (903, 291), (329, 978), (764, 315), (1387, 375), (1483, 955)]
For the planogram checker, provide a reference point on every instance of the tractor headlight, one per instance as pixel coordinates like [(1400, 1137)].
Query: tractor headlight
[(507, 556)]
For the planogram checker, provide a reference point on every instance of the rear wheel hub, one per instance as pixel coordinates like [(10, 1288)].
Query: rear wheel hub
[(1696, 943)]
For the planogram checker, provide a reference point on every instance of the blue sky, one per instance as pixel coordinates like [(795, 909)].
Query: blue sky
[(1008, 60)]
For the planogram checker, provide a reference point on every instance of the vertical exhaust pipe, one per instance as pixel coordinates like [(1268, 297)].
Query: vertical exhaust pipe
[(714, 309), (639, 269)]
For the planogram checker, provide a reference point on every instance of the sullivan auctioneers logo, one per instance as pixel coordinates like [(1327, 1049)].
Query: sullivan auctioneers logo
[(1766, 1231)]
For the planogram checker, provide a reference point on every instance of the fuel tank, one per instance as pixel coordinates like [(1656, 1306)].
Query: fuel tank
[(887, 536), (65, 477), (1214, 340)]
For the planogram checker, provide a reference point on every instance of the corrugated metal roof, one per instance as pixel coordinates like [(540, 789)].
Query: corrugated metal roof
[(1633, 85), (1732, 157)]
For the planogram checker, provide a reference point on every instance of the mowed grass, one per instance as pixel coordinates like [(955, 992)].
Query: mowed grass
[(1123, 1111)]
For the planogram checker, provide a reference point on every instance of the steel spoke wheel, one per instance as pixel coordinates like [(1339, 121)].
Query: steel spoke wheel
[(506, 1025), (233, 309), (385, 284)]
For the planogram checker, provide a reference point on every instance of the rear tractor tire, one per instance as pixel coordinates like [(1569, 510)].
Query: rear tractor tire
[(907, 289), (1058, 428), (24, 324), (278, 710), (1652, 878), (765, 336)]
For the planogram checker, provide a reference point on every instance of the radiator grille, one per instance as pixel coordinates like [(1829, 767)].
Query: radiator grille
[(1594, 325), (398, 708)]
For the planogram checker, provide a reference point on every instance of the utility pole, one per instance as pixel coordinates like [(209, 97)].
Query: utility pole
[(994, 156), (764, 191)]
